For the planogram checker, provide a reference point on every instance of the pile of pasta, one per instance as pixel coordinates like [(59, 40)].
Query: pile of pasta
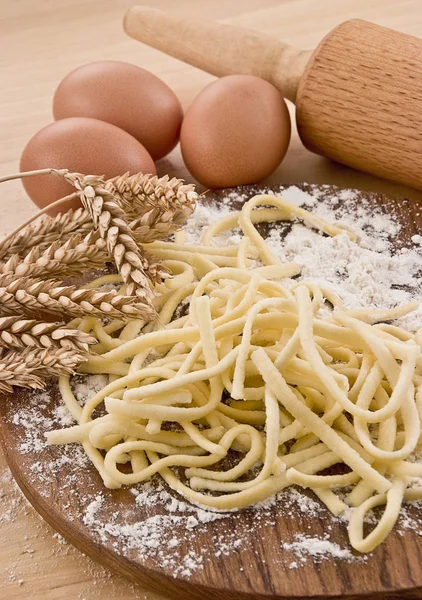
[(245, 362)]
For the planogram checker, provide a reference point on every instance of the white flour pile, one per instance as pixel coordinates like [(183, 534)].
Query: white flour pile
[(367, 274), (159, 528)]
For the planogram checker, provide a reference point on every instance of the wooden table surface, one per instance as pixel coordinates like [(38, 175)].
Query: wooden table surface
[(41, 41)]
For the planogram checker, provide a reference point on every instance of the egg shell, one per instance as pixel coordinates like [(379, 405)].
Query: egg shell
[(126, 96), (80, 145), (235, 132)]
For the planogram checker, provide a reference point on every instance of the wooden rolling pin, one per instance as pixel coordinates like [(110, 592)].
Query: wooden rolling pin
[(358, 96)]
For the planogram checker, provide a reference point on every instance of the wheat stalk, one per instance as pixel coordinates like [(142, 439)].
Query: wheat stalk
[(135, 191), (45, 231), (72, 258), (158, 225), (156, 207), (110, 219), (156, 270), (59, 259), (31, 366), (69, 244), (16, 332), (36, 298)]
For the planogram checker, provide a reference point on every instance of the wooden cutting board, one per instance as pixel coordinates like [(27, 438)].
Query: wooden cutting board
[(243, 555)]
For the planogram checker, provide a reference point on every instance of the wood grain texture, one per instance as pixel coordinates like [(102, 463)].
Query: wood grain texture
[(260, 569), (40, 42), (359, 101), (219, 49)]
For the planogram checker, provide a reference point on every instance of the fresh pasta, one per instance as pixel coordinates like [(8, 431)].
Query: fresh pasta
[(246, 384)]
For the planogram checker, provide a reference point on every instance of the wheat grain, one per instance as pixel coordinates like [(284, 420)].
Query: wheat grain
[(13, 371), (110, 219), (31, 366), (48, 300), (134, 192), (45, 231), (16, 332), (59, 259), (155, 207)]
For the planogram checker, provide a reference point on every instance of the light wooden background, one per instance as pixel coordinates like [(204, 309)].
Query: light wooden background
[(41, 41)]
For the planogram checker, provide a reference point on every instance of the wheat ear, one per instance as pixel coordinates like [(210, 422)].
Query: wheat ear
[(155, 207), (37, 299), (16, 332), (31, 366), (60, 259), (45, 231), (110, 219)]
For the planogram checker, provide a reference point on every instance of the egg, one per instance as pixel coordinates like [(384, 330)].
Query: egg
[(235, 132), (126, 96), (81, 145)]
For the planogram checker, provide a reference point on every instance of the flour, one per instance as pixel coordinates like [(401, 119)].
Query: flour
[(318, 548), (367, 274), (361, 277), (84, 388), (202, 218)]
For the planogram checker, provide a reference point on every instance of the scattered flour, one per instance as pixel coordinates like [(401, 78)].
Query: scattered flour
[(203, 217), (30, 560), (319, 549), (84, 388)]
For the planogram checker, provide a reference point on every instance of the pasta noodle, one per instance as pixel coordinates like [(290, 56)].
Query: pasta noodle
[(254, 366)]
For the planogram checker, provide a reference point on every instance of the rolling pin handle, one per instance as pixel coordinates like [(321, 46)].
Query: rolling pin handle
[(219, 49)]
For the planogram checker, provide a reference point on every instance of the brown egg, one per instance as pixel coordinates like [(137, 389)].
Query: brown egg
[(82, 145), (126, 96), (236, 131)]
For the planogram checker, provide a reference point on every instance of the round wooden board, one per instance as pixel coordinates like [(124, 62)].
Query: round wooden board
[(256, 568)]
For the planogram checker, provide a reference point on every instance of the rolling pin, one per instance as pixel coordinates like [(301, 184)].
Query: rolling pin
[(358, 95)]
